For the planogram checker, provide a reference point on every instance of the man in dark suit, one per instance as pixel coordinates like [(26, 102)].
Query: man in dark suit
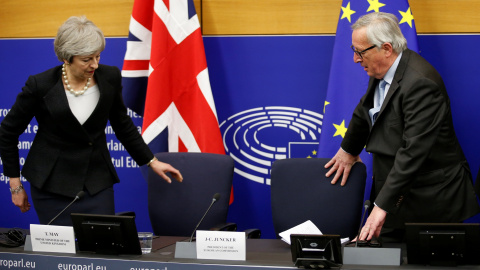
[(404, 120)]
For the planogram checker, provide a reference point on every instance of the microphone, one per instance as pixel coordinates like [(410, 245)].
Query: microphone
[(80, 195), (216, 197), (366, 205)]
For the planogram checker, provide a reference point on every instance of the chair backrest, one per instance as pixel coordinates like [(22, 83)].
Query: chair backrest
[(176, 208), (300, 192), (477, 184)]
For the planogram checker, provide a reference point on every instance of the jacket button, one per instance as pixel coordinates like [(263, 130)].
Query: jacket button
[(90, 143)]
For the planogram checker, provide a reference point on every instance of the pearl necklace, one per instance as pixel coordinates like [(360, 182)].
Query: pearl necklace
[(69, 88)]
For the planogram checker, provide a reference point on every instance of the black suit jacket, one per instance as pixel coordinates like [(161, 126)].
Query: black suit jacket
[(66, 156), (420, 172)]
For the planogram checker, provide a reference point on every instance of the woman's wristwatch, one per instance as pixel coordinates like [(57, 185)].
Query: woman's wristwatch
[(17, 189)]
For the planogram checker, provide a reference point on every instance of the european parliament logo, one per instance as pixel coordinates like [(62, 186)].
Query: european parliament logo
[(255, 138)]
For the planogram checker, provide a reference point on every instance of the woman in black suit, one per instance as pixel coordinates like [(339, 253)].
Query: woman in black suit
[(72, 104)]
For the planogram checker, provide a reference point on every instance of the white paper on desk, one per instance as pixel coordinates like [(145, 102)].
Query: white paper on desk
[(305, 228)]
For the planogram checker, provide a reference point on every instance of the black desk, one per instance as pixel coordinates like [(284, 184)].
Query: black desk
[(262, 254)]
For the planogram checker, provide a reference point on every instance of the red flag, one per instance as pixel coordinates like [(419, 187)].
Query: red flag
[(165, 45)]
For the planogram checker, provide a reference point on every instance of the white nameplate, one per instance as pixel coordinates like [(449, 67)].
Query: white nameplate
[(50, 238), (221, 245)]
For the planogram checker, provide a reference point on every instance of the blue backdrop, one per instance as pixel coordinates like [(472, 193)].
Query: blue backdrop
[(269, 92)]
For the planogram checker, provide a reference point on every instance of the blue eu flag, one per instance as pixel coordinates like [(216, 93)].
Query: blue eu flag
[(348, 81)]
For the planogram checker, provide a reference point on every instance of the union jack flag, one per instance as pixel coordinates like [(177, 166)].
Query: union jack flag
[(165, 70), (165, 78)]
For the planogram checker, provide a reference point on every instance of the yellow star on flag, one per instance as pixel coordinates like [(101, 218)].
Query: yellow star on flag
[(341, 129), (314, 152), (347, 12), (374, 5), (406, 17), (325, 105)]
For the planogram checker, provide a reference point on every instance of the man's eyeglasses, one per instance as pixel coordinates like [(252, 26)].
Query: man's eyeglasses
[(360, 53)]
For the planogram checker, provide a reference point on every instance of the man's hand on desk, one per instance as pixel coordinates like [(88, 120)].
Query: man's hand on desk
[(374, 224)]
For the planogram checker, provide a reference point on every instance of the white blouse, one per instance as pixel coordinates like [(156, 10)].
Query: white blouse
[(82, 106)]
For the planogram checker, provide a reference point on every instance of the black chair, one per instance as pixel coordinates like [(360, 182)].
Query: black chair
[(477, 184), (300, 192), (176, 208)]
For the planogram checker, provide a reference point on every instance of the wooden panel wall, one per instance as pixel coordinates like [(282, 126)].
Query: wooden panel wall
[(41, 18), (229, 17)]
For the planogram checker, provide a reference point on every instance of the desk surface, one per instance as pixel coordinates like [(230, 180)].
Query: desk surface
[(261, 254)]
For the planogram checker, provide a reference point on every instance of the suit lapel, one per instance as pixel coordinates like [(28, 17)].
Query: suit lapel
[(57, 105), (106, 96), (402, 66), (368, 102)]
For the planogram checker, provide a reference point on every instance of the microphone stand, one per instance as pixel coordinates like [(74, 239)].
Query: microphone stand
[(78, 197), (193, 233), (189, 249)]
